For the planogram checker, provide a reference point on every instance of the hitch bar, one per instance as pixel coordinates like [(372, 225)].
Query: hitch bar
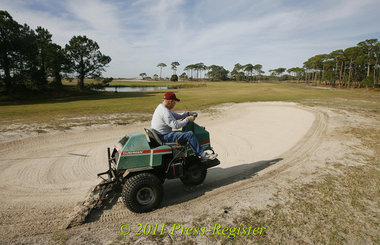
[(108, 172)]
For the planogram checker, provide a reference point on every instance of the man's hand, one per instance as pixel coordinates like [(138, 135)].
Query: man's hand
[(192, 113), (190, 118)]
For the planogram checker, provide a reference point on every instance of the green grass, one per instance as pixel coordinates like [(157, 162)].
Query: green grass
[(193, 98)]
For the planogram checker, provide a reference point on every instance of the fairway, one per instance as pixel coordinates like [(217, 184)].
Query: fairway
[(92, 109)]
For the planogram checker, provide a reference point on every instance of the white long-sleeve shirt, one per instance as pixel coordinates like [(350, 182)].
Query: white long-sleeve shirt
[(164, 120)]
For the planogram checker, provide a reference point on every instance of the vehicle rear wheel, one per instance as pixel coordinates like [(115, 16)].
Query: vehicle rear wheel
[(195, 174), (142, 192)]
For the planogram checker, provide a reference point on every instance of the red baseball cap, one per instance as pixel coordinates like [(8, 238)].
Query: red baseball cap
[(170, 96)]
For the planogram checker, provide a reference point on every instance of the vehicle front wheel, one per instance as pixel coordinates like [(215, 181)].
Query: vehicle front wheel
[(142, 192)]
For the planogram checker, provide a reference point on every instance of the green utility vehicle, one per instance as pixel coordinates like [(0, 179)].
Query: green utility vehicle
[(141, 163)]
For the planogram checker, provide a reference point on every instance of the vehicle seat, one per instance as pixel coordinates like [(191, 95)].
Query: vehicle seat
[(155, 140), (153, 137)]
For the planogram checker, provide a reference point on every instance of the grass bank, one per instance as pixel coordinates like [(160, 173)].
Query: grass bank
[(194, 98)]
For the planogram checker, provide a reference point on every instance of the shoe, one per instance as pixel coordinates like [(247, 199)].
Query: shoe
[(208, 157)]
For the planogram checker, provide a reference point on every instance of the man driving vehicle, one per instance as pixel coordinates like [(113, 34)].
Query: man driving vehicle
[(164, 120)]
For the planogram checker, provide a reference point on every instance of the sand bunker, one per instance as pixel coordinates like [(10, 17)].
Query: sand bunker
[(48, 175)]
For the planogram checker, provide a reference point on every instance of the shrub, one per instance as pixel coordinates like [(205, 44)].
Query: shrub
[(174, 78)]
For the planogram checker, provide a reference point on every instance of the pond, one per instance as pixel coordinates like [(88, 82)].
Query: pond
[(134, 89)]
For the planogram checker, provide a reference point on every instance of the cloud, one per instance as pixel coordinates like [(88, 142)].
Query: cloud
[(140, 34), (94, 15)]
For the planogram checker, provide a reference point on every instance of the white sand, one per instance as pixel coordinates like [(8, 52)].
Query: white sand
[(44, 177)]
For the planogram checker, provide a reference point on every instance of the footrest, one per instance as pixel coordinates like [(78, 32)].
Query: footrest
[(211, 163)]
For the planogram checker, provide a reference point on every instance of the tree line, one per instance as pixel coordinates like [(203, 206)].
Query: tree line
[(196, 71), (352, 67), (199, 70), (356, 66), (30, 60)]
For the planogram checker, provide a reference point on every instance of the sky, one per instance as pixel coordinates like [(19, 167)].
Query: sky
[(140, 34)]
